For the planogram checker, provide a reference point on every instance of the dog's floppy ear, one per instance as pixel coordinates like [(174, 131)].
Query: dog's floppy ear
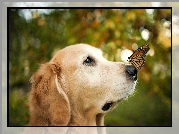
[(49, 104), (60, 113)]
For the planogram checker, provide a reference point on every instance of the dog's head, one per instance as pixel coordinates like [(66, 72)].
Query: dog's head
[(91, 81), (78, 87)]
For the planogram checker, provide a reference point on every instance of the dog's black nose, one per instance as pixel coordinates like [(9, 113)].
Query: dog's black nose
[(131, 71)]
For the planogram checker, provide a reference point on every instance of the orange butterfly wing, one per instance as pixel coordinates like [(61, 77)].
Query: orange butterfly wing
[(137, 58), (145, 48)]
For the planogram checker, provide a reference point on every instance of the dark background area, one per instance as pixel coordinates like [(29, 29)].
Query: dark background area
[(35, 39)]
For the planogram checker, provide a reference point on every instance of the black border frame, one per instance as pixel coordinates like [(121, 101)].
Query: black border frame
[(9, 8)]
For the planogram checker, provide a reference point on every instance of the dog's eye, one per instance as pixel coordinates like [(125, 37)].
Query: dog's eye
[(89, 61)]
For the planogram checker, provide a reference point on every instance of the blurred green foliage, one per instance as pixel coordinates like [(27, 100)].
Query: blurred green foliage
[(34, 40)]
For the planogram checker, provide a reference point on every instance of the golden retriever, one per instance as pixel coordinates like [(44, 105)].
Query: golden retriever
[(77, 87)]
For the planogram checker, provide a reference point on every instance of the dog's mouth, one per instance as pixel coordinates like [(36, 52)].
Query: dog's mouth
[(110, 104), (107, 106)]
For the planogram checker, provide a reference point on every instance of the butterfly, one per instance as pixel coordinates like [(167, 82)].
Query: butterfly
[(137, 58)]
